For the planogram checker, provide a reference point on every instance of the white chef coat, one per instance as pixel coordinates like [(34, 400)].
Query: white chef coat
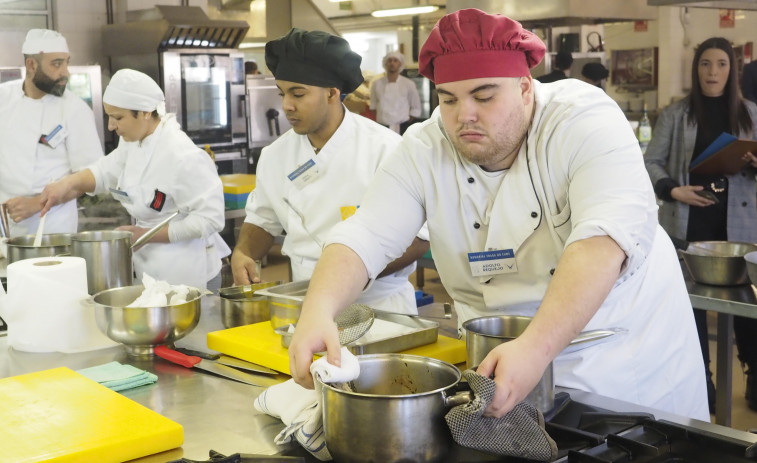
[(395, 102), (579, 174), (168, 162), (345, 167), (26, 165)]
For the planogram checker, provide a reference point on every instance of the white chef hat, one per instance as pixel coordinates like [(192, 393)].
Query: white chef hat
[(44, 41), (130, 89), (394, 54)]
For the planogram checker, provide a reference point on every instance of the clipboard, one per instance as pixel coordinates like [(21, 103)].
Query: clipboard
[(723, 156)]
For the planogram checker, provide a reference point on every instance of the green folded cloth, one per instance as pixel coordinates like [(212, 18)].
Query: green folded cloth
[(118, 377)]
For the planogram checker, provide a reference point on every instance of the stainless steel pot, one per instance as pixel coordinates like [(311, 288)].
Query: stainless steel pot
[(22, 247), (485, 333), (240, 306), (395, 412), (108, 256)]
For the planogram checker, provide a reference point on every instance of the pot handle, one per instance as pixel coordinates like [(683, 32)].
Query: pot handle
[(592, 338), (461, 394), (459, 398)]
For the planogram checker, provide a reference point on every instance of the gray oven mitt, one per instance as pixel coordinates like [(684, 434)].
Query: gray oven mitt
[(520, 433)]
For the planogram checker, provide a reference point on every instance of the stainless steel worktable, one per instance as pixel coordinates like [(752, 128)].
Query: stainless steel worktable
[(217, 413), (727, 301)]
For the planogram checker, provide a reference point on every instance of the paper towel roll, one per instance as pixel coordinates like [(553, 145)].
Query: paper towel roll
[(47, 307)]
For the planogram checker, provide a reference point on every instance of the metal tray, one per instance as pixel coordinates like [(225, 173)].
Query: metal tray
[(288, 293), (424, 331)]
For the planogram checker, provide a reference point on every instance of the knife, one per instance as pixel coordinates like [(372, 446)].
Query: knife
[(211, 366), (230, 361)]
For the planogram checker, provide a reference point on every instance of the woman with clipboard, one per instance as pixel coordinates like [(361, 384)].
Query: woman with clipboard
[(714, 206)]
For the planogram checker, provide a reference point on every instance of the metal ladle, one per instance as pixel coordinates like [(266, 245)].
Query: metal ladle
[(151, 232)]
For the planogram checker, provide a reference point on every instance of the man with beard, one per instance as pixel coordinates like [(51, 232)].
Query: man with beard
[(314, 175), (46, 134), (538, 204)]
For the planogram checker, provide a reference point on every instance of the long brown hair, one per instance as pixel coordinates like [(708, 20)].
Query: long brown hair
[(738, 116)]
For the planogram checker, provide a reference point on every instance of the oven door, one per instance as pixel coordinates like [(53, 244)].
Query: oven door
[(200, 87)]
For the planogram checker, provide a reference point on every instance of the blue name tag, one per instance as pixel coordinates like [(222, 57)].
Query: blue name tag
[(492, 262), (304, 174)]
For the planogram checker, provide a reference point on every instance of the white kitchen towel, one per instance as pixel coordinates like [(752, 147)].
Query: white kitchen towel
[(300, 408), (349, 369)]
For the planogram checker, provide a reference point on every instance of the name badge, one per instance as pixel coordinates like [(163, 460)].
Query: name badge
[(54, 138), (120, 195), (492, 262), (304, 175)]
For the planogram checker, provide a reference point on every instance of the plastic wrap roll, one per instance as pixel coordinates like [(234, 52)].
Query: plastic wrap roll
[(48, 308)]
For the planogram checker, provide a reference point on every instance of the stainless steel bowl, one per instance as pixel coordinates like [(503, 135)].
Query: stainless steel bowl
[(140, 329), (751, 266), (241, 306), (719, 263)]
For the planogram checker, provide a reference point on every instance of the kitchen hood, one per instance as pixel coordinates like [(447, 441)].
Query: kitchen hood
[(169, 27), (720, 4)]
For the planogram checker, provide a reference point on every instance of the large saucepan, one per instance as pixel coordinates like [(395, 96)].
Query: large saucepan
[(395, 412), (108, 256), (22, 247), (485, 333)]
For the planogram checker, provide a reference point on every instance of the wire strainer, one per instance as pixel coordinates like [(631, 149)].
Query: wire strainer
[(353, 322)]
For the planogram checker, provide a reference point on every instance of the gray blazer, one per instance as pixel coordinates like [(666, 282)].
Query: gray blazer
[(669, 155)]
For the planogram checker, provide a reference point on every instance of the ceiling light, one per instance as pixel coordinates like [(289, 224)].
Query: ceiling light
[(404, 11), (252, 45)]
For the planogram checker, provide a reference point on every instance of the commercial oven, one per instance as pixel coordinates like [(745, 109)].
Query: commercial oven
[(196, 62)]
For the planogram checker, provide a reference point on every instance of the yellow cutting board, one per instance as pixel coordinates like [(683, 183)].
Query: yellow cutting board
[(61, 416), (258, 343)]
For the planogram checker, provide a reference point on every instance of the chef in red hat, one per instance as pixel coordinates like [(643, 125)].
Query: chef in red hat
[(538, 204)]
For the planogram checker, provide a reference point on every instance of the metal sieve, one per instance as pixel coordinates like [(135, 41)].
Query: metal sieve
[(353, 322)]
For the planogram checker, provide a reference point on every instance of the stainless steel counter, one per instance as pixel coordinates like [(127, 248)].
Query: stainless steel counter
[(727, 301), (217, 413)]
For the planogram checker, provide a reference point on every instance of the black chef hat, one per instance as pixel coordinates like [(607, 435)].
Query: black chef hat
[(314, 58), (595, 71)]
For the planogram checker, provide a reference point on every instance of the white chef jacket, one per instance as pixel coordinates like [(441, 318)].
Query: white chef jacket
[(395, 102), (167, 171), (579, 174), (342, 172), (26, 165)]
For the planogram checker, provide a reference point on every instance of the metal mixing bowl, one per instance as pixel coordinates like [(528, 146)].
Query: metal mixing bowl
[(241, 306), (751, 266), (142, 328), (718, 263)]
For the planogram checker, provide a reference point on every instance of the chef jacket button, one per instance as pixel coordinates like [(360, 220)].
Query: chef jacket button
[(552, 271), (534, 215), (476, 225), (470, 180), (744, 204)]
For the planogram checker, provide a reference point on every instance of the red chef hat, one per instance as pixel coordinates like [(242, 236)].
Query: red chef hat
[(469, 44)]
